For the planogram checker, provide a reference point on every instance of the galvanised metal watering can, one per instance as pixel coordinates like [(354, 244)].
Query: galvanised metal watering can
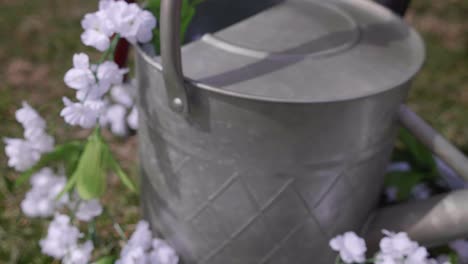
[(276, 135)]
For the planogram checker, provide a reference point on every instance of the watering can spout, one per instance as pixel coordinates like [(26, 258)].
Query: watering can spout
[(437, 220), (434, 221), (431, 222)]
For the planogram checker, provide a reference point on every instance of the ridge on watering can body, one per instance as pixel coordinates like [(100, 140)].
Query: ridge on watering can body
[(303, 51)]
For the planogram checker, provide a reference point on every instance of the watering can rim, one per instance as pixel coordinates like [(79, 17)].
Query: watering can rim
[(206, 87), (419, 59)]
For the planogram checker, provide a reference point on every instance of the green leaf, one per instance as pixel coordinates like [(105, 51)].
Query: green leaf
[(420, 157), (453, 256), (106, 260), (9, 183), (186, 15), (68, 187), (60, 153), (124, 178), (90, 173), (404, 182), (71, 162)]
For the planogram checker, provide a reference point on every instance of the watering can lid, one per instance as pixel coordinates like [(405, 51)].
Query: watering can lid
[(308, 51)]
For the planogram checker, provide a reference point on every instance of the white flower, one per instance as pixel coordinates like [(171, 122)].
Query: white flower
[(132, 119), (131, 22), (80, 77), (401, 166), (21, 154), (96, 39), (122, 94), (145, 23), (162, 253), (141, 249), (61, 237), (418, 256), (421, 191), (104, 4), (34, 129), (80, 254), (98, 29), (41, 201), (397, 245), (40, 140), (115, 116), (29, 118), (385, 259), (87, 210), (391, 193), (84, 114), (141, 237), (351, 247), (108, 73), (135, 255)]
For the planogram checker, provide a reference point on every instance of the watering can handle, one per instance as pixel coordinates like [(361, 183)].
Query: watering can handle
[(426, 134), (437, 220), (434, 141), (170, 55)]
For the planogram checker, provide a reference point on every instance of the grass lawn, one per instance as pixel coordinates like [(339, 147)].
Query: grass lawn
[(38, 39)]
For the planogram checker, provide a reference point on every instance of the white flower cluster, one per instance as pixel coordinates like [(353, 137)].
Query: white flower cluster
[(24, 153), (92, 82), (395, 248), (62, 243), (122, 113), (351, 247), (117, 17), (399, 248), (142, 249), (41, 200)]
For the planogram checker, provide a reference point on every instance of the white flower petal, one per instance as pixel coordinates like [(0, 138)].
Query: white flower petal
[(95, 39), (122, 94), (162, 253), (82, 114), (79, 78), (115, 116), (351, 247), (41, 200), (87, 210), (80, 254), (21, 154), (132, 119), (81, 61), (61, 237), (29, 117)]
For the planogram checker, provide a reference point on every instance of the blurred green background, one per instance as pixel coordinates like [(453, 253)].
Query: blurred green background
[(39, 37)]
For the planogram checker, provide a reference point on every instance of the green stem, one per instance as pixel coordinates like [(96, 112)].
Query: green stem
[(338, 260), (108, 53), (92, 235), (110, 50), (118, 229), (75, 208)]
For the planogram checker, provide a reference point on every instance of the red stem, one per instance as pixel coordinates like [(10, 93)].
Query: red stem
[(121, 51)]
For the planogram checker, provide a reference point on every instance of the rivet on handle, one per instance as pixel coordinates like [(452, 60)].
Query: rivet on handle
[(170, 56)]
